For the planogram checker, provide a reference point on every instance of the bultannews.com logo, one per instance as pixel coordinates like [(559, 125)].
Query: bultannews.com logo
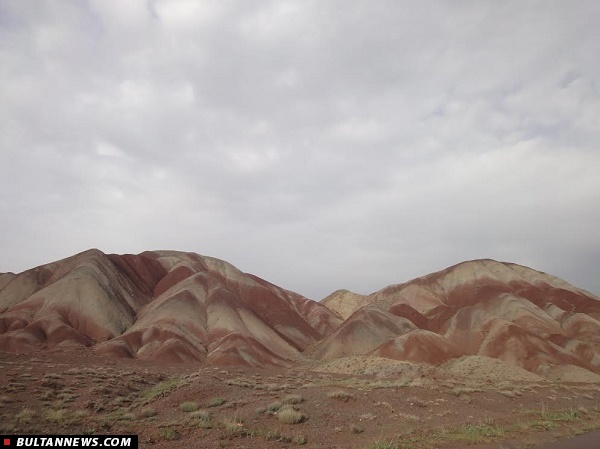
[(62, 441)]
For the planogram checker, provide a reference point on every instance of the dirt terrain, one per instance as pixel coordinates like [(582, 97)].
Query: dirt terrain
[(74, 391)]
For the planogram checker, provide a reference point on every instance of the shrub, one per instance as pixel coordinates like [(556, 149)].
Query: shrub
[(189, 406), (25, 415), (56, 416), (234, 426), (169, 433), (382, 445), (215, 402), (342, 395), (288, 415), (356, 429), (274, 406), (299, 439), (293, 399), (148, 412), (201, 415)]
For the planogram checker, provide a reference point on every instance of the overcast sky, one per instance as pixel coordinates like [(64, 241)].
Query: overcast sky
[(317, 144)]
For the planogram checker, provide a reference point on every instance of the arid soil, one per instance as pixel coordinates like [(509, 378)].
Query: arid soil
[(196, 405)]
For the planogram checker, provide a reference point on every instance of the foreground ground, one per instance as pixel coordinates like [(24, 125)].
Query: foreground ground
[(200, 406)]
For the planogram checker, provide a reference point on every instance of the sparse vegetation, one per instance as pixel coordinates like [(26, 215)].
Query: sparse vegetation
[(356, 429), (382, 445), (299, 439), (216, 402), (148, 412), (341, 395), (169, 433), (107, 400), (161, 389), (457, 391), (480, 432), (189, 406), (289, 415), (25, 416), (274, 406), (565, 415), (56, 416), (293, 399)]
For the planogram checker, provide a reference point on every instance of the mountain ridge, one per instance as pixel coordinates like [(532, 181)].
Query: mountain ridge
[(182, 307)]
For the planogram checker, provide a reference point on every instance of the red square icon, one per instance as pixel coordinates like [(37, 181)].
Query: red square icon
[(7, 441)]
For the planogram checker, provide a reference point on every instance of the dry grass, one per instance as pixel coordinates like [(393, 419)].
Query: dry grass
[(289, 415), (169, 433), (341, 395), (189, 406), (148, 412), (216, 402), (293, 399), (161, 389), (25, 416), (457, 391), (201, 415), (274, 406)]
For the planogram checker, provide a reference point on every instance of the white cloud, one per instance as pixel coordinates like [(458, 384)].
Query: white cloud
[(321, 145)]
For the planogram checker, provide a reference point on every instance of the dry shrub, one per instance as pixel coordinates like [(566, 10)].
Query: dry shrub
[(189, 406), (288, 415), (341, 395), (293, 399)]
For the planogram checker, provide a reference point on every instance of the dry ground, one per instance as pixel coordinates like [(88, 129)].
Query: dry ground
[(200, 406)]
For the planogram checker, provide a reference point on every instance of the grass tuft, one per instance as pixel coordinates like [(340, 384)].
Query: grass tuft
[(288, 415), (189, 406), (293, 399), (216, 402), (148, 412), (341, 395)]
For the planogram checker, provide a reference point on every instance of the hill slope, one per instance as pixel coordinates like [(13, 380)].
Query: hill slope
[(485, 308), (173, 306), (160, 305)]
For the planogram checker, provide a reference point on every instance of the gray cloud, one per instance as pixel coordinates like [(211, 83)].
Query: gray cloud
[(318, 144)]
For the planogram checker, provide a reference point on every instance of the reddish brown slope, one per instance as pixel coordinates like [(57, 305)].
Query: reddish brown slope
[(362, 332), (84, 299), (493, 309), (161, 305)]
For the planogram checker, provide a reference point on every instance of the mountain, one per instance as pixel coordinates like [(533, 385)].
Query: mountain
[(160, 305), (171, 306), (483, 308)]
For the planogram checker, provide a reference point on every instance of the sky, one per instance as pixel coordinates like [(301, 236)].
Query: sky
[(319, 144)]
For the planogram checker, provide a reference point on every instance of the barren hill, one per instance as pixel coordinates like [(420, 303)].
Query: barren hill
[(485, 308), (179, 307), (161, 305)]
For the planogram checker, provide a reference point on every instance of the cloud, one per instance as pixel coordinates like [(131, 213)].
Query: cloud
[(320, 145)]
